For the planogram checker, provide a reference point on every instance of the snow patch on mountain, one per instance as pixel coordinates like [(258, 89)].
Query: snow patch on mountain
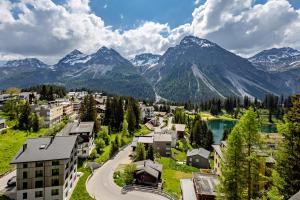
[(189, 40)]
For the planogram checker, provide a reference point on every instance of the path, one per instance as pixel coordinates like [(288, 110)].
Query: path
[(102, 186)]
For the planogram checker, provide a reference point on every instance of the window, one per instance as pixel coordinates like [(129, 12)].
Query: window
[(191, 159), (25, 185), (25, 165), (55, 182), (39, 164), (197, 160), (38, 184), (38, 194), (24, 175), (25, 195), (55, 172), (54, 192), (54, 163), (39, 173)]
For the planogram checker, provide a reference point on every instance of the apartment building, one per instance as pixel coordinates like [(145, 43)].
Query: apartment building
[(52, 114), (46, 168), (86, 135)]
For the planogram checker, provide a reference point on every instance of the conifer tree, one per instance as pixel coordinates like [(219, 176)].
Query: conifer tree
[(232, 181), (150, 153), (286, 176), (140, 152)]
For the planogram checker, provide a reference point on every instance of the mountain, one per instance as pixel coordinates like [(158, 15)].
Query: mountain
[(145, 61), (27, 62), (75, 57), (24, 73), (104, 70), (277, 59), (197, 69)]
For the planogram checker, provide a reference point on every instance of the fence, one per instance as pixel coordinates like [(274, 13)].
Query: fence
[(150, 189)]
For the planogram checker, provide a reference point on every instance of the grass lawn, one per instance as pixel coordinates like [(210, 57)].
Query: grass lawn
[(172, 173), (11, 142), (80, 192), (179, 155)]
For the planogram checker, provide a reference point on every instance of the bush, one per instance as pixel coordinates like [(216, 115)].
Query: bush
[(93, 155), (100, 144)]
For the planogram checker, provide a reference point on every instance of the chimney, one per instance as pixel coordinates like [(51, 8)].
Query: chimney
[(24, 147), (51, 140)]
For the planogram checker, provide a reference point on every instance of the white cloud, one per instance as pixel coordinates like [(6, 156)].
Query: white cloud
[(197, 2), (47, 30)]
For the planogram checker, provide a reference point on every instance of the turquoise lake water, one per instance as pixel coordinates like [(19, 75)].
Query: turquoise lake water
[(218, 127)]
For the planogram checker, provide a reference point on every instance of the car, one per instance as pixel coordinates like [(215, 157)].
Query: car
[(12, 181)]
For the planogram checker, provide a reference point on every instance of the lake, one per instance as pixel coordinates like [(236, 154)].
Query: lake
[(218, 127)]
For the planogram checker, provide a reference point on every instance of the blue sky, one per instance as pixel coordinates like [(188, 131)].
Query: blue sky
[(127, 14)]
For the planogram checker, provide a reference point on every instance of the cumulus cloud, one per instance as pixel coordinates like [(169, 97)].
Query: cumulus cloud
[(46, 30)]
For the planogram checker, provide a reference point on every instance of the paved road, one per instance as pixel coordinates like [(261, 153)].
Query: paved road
[(102, 187), (3, 183)]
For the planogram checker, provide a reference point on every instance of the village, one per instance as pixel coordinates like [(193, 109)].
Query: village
[(158, 157)]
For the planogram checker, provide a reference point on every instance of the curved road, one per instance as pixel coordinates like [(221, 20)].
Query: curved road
[(101, 185)]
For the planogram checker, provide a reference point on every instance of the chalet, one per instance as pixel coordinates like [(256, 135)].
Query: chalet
[(205, 186), (148, 172), (162, 144), (179, 128), (198, 158)]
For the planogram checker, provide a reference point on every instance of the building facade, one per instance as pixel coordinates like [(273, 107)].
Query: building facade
[(52, 114), (46, 168)]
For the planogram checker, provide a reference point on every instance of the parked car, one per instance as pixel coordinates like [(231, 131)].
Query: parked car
[(12, 181)]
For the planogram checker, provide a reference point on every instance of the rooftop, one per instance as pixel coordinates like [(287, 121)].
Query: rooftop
[(205, 183), (142, 139), (187, 188), (218, 150), (162, 138), (202, 152), (180, 127), (149, 166), (46, 148), (82, 127)]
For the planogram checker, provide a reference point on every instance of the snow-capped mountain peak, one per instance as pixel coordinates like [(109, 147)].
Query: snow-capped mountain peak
[(190, 40), (277, 59), (27, 62), (74, 57), (145, 61)]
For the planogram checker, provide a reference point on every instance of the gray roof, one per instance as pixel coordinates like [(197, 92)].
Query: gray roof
[(148, 170), (205, 183), (202, 152), (188, 190), (162, 138), (142, 139), (82, 127), (295, 196), (42, 149), (148, 163)]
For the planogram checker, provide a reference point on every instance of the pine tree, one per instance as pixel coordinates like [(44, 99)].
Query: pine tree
[(131, 119), (286, 176), (140, 152), (24, 119), (232, 181), (35, 122), (249, 127), (150, 153)]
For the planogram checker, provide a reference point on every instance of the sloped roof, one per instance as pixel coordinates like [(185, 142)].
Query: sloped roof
[(162, 138), (83, 127), (46, 148), (295, 196), (180, 127), (187, 188), (202, 152)]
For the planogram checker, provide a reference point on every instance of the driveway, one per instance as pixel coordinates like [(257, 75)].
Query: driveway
[(101, 185)]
